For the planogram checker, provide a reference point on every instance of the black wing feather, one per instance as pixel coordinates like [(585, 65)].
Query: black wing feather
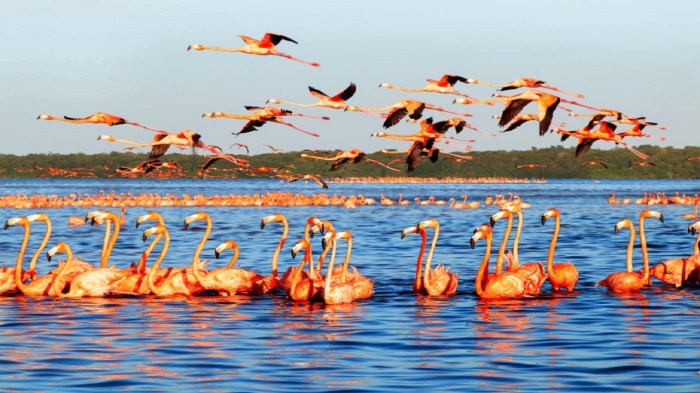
[(394, 117), (512, 109), (547, 121)]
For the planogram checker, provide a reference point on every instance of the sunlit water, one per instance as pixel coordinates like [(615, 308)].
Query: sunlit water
[(396, 341)]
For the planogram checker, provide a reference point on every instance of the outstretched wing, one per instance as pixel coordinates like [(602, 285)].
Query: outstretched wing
[(158, 151), (584, 147), (274, 39), (337, 164), (345, 94), (452, 79), (317, 93), (512, 109), (395, 116), (251, 126), (359, 158), (546, 112)]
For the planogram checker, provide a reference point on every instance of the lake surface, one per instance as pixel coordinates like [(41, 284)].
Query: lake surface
[(396, 341)]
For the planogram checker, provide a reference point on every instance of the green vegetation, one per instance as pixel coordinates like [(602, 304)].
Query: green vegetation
[(671, 163)]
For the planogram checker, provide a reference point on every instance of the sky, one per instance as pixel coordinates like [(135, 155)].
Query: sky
[(129, 58)]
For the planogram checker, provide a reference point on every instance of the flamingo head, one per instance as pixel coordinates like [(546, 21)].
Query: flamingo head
[(59, 247), (505, 212), (15, 221), (482, 232), (694, 228), (158, 229), (549, 214), (195, 217), (106, 138), (651, 214), (297, 247), (387, 85), (227, 245), (275, 217), (273, 101), (472, 81), (195, 47), (315, 225), (430, 223), (624, 223), (44, 117), (412, 229), (148, 216)]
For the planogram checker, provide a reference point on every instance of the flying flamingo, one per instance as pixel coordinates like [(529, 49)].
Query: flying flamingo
[(531, 83), (264, 115), (405, 107), (546, 104), (98, 118), (520, 120), (606, 132), (625, 282), (324, 100), (342, 157), (263, 47), (592, 163), (434, 282), (92, 283), (563, 275), (498, 286), (310, 177), (445, 85), (185, 138), (681, 271)]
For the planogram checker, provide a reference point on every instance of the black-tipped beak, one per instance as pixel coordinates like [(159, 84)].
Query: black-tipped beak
[(402, 235), (7, 226), (144, 237), (262, 224), (661, 217), (492, 222), (472, 243), (544, 219), (311, 234), (324, 243), (137, 224), (617, 229), (185, 224), (294, 253), (38, 117), (217, 253), (189, 47)]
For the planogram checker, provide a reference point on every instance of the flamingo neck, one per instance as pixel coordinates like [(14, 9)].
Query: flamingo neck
[(152, 273), (645, 254), (516, 241), (69, 259), (483, 272), (43, 244), (630, 249), (429, 258), (308, 239), (141, 267), (200, 247), (502, 249), (327, 287), (553, 245), (283, 239), (419, 263), (346, 262), (107, 251), (696, 248), (20, 256), (296, 278), (234, 258)]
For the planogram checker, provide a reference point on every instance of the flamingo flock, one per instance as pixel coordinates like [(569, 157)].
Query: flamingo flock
[(426, 142), (339, 283)]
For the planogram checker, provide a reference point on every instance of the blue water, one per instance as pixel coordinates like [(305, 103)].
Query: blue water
[(394, 342)]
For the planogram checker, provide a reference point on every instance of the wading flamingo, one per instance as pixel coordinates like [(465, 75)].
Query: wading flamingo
[(362, 287), (563, 275), (324, 100), (681, 271), (335, 291), (8, 280), (226, 281), (98, 118), (92, 283), (624, 282), (265, 46), (433, 282), (303, 288), (136, 282), (498, 286), (273, 281), (43, 285), (532, 273)]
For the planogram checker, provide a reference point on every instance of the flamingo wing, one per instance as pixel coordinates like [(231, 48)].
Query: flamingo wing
[(251, 126), (210, 162), (417, 112), (584, 146), (158, 150), (517, 123), (273, 39), (394, 117), (452, 79), (318, 93), (253, 108), (547, 105), (337, 164), (248, 40), (345, 94), (359, 158), (512, 108)]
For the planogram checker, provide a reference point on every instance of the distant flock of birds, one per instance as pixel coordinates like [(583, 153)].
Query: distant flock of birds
[(423, 142), (307, 282)]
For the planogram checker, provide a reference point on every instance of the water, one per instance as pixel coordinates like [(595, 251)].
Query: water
[(396, 341)]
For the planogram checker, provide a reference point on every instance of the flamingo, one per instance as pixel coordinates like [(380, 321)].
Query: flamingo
[(264, 47), (274, 280), (324, 100), (362, 287), (258, 119), (8, 277), (525, 82), (92, 283), (185, 138), (303, 287), (546, 104), (606, 132), (681, 271), (593, 163), (438, 281), (97, 118), (499, 286), (227, 281), (310, 177), (405, 107), (343, 157), (563, 275), (625, 282), (532, 273), (445, 85), (335, 291), (136, 282), (520, 120)]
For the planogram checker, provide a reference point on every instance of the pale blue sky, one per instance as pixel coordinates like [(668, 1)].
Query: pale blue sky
[(129, 58)]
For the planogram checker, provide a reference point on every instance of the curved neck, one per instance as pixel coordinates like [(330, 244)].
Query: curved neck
[(296, 278), (645, 255), (200, 247), (417, 284), (553, 245), (308, 239), (141, 267), (43, 244), (502, 249), (483, 272), (429, 259), (321, 258), (346, 262), (107, 251), (516, 241), (58, 291), (20, 256), (283, 239), (630, 249), (152, 273), (329, 273), (234, 258), (696, 247)]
